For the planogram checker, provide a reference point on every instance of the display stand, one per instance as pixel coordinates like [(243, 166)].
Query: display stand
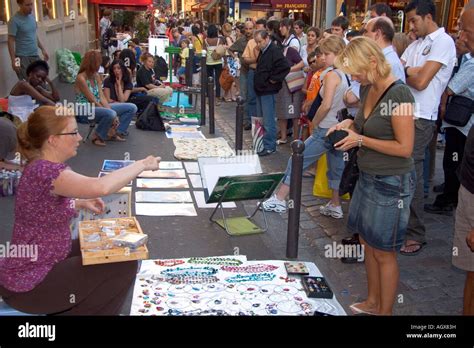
[(243, 188)]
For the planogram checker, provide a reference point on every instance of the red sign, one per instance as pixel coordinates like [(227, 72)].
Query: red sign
[(293, 5), (123, 2)]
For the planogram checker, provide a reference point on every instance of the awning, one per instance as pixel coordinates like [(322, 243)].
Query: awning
[(123, 2), (261, 5), (199, 7), (291, 4), (211, 5)]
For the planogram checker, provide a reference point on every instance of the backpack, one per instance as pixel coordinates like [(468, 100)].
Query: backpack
[(160, 68), (150, 119)]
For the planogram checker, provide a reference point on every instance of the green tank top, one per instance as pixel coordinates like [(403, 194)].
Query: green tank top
[(82, 99)]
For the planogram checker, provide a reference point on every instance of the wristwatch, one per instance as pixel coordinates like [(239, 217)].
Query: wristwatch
[(406, 71)]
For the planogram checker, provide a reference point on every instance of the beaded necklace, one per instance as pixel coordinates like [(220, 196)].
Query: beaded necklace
[(188, 272), (250, 277), (258, 268), (215, 261), (169, 263)]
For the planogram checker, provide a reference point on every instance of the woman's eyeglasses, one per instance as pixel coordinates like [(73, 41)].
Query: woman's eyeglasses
[(71, 133)]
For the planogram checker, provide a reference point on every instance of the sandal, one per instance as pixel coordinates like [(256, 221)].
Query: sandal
[(356, 310), (98, 142), (117, 137), (414, 252)]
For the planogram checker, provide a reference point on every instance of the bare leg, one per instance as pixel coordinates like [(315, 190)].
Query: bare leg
[(373, 281), (469, 294), (283, 192), (282, 124), (389, 275), (335, 200)]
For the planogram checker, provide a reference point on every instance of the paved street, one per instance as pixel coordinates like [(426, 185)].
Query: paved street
[(428, 282)]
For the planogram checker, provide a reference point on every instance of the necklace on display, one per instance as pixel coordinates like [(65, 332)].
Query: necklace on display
[(259, 277), (258, 268), (215, 261)]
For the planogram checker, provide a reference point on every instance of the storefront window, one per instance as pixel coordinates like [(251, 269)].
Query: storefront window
[(49, 9), (4, 12)]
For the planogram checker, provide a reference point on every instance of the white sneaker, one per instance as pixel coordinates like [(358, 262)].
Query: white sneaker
[(331, 210), (274, 204)]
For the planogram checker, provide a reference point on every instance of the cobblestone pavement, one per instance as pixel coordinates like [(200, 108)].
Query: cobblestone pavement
[(429, 284)]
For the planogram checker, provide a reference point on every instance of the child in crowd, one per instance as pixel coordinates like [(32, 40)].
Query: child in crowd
[(183, 56)]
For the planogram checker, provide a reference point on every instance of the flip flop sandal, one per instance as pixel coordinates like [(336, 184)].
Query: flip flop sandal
[(98, 142), (357, 310), (415, 252)]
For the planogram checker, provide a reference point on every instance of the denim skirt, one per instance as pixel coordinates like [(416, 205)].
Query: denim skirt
[(380, 208)]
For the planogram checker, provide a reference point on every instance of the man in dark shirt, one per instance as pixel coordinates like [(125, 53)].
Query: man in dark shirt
[(272, 68), (463, 250)]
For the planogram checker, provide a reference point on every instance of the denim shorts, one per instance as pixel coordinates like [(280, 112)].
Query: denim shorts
[(380, 208)]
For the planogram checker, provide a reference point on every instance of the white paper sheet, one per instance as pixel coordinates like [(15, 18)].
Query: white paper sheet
[(162, 183), (201, 202), (164, 174), (169, 165), (165, 209), (192, 167), (185, 135), (163, 196), (195, 180)]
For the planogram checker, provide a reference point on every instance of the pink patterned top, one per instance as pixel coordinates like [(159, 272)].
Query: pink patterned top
[(42, 222)]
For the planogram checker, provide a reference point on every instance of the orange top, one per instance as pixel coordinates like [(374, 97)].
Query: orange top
[(314, 86)]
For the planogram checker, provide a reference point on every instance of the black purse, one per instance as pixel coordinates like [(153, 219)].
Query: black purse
[(459, 110), (350, 175)]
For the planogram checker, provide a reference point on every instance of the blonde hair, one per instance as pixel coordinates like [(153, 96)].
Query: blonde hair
[(357, 54), (332, 44), (41, 124), (227, 29)]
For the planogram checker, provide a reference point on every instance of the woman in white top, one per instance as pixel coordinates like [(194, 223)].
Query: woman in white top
[(288, 34), (28, 94), (313, 36)]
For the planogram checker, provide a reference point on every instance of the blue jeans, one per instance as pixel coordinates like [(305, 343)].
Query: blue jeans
[(315, 146), (266, 110), (243, 93), (125, 113), (251, 96)]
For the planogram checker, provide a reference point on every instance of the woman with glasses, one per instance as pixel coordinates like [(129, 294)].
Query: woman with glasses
[(52, 279)]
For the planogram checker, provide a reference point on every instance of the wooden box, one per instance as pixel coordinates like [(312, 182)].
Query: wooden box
[(100, 249)]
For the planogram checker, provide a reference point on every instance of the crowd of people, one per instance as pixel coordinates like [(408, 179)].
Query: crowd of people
[(383, 96)]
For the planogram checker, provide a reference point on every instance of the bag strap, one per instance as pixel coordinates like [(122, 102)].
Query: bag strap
[(397, 82)]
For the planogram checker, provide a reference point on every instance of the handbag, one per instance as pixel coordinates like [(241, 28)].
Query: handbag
[(226, 80), (295, 81), (459, 110)]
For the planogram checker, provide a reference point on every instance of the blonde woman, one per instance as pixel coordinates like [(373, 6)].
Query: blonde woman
[(384, 132)]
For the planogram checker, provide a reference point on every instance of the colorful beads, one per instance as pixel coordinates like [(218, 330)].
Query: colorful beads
[(258, 268)]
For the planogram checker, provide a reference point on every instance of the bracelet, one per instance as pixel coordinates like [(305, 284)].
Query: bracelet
[(359, 142)]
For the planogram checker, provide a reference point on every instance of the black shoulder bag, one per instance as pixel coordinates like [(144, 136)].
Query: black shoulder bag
[(459, 110)]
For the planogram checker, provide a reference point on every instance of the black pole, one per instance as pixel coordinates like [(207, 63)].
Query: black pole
[(212, 101), (239, 124), (294, 204), (189, 68), (203, 87)]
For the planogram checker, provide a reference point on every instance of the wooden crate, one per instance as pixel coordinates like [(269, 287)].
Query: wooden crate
[(114, 254)]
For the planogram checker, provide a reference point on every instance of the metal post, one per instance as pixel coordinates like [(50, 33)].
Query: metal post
[(189, 67), (203, 87), (294, 204), (212, 101), (239, 124)]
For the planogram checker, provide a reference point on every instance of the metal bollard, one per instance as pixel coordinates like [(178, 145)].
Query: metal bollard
[(203, 87), (189, 67), (212, 101), (294, 203), (239, 124)]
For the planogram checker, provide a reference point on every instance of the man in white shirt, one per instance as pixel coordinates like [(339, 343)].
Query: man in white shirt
[(298, 27), (429, 62)]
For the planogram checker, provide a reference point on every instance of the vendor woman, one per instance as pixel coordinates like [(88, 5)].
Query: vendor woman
[(50, 278)]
